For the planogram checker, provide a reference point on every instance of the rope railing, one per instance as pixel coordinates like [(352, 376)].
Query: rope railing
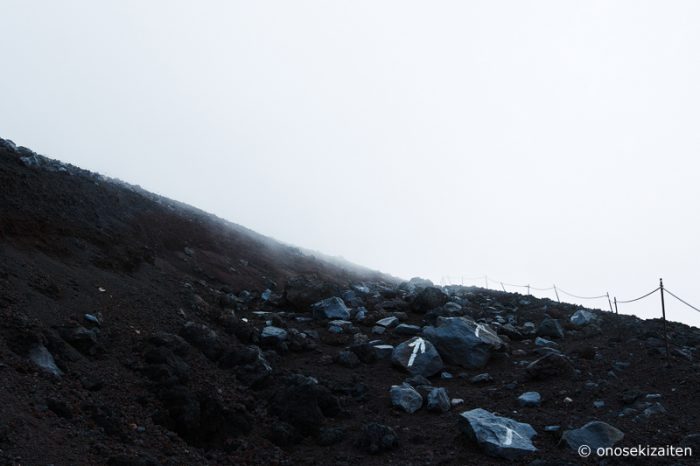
[(603, 296), (637, 299), (582, 297), (681, 300)]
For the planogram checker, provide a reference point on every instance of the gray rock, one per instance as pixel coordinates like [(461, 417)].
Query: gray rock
[(378, 330), (595, 434), (341, 326), (511, 332), (40, 356), (417, 381), (462, 341), (599, 404), (550, 365), (539, 341), (92, 319), (272, 335), (417, 356), (550, 328), (383, 351), (627, 412), (438, 401), (429, 298), (528, 328), (481, 378), (498, 436), (529, 399), (361, 288), (377, 438), (582, 318), (249, 364), (335, 329), (388, 322), (407, 329), (361, 314), (8, 145), (331, 308), (652, 410), (406, 397), (453, 308)]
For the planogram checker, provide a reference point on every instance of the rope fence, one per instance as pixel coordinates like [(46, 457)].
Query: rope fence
[(557, 290)]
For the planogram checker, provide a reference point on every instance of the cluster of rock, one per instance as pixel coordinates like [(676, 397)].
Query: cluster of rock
[(459, 330)]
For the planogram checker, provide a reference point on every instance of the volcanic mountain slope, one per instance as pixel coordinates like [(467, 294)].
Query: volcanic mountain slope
[(140, 331)]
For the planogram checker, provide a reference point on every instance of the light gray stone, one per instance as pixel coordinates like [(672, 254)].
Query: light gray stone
[(331, 308), (40, 356), (406, 397), (530, 399), (582, 318), (498, 436)]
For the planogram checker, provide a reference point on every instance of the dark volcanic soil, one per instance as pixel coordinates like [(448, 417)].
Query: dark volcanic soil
[(131, 392)]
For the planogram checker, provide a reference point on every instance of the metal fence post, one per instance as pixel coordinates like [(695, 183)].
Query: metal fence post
[(615, 304), (556, 293), (663, 314), (607, 293)]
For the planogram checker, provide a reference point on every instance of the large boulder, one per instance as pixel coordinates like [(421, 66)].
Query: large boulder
[(462, 341), (582, 318), (331, 308), (418, 356), (498, 436), (595, 434), (429, 298)]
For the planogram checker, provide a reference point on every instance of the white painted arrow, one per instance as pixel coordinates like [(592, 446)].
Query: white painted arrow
[(418, 345), (508, 440), (480, 328), (509, 436)]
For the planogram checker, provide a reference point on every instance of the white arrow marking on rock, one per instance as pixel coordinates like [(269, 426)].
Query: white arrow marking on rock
[(418, 345), (509, 436), (479, 328)]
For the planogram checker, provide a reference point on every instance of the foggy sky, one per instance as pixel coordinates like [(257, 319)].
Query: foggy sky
[(537, 142)]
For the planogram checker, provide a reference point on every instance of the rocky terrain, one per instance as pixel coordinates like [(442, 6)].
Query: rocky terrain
[(140, 331)]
